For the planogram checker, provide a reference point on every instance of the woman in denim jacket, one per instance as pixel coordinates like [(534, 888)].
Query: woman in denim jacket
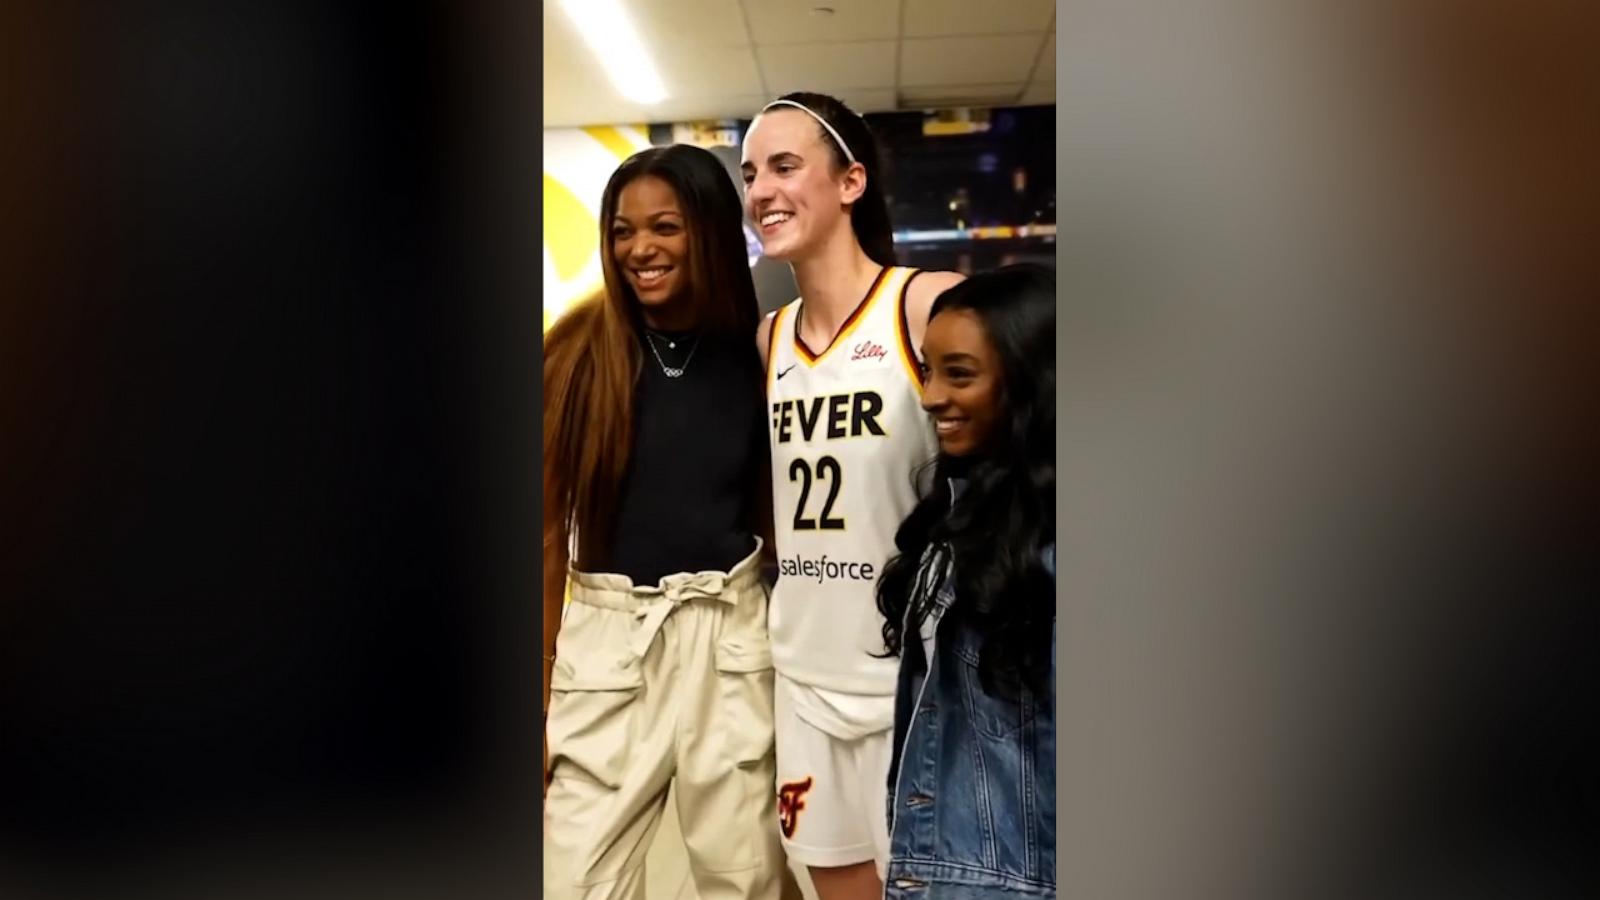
[(969, 606)]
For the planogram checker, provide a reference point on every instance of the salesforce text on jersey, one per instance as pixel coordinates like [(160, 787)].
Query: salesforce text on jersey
[(825, 568)]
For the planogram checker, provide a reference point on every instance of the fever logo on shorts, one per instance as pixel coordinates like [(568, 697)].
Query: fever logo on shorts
[(792, 799)]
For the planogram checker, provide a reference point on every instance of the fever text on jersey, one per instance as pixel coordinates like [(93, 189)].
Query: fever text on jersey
[(832, 417)]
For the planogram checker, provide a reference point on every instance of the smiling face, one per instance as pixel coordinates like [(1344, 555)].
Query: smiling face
[(963, 392), (650, 244), (794, 193)]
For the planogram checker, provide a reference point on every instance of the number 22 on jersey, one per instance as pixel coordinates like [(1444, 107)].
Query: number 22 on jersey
[(825, 469)]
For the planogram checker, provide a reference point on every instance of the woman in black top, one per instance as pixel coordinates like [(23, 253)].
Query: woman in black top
[(658, 672)]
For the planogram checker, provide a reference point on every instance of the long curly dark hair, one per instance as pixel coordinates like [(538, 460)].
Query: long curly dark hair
[(995, 534)]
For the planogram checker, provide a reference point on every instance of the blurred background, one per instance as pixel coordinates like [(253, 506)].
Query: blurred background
[(959, 95)]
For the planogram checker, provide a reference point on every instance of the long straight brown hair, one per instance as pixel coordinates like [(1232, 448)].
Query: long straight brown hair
[(592, 355)]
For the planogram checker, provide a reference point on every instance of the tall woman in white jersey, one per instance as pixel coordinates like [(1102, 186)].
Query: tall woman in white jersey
[(843, 393)]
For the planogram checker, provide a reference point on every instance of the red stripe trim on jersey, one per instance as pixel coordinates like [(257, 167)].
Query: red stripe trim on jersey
[(849, 324), (902, 327)]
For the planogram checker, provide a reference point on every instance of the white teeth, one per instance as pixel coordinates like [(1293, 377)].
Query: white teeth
[(772, 218), (945, 426), (650, 274)]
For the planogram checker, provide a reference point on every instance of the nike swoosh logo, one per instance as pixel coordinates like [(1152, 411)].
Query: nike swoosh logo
[(787, 371)]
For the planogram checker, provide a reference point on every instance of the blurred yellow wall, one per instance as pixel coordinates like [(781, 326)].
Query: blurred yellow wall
[(577, 163)]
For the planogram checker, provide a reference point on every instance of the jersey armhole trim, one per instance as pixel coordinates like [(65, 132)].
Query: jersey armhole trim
[(772, 344), (902, 327)]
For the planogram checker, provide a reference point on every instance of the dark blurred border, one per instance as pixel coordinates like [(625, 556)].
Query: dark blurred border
[(270, 340), (1329, 483)]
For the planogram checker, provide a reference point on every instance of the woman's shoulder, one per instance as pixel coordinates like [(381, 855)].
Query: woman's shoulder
[(923, 287)]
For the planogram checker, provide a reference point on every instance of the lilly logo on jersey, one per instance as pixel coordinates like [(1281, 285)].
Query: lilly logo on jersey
[(868, 350), (848, 415)]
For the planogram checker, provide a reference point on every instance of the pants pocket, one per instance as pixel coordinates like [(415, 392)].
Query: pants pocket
[(594, 701), (736, 788), (745, 685)]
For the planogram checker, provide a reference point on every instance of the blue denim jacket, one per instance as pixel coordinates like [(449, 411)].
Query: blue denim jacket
[(972, 784)]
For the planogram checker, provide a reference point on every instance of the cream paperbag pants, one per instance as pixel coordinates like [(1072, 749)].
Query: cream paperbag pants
[(654, 686)]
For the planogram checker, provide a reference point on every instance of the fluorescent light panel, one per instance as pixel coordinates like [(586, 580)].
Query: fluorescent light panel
[(610, 34)]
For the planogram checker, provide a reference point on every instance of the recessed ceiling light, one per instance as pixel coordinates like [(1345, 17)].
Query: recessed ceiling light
[(610, 34)]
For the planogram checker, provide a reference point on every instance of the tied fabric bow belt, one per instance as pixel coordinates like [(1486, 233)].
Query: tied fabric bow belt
[(656, 604)]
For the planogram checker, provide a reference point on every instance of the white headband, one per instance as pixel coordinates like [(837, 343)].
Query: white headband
[(843, 147)]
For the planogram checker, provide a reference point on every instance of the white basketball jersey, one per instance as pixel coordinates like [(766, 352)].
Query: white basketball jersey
[(848, 434)]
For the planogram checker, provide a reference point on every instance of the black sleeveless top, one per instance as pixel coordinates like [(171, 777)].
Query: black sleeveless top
[(699, 448)]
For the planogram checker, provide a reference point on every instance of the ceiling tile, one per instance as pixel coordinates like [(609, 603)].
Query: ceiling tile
[(827, 67), (936, 18), (574, 87), (577, 90), (698, 108), (692, 72), (573, 110), (795, 22), (968, 60), (1039, 94), (850, 54), (1047, 62), (694, 23)]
